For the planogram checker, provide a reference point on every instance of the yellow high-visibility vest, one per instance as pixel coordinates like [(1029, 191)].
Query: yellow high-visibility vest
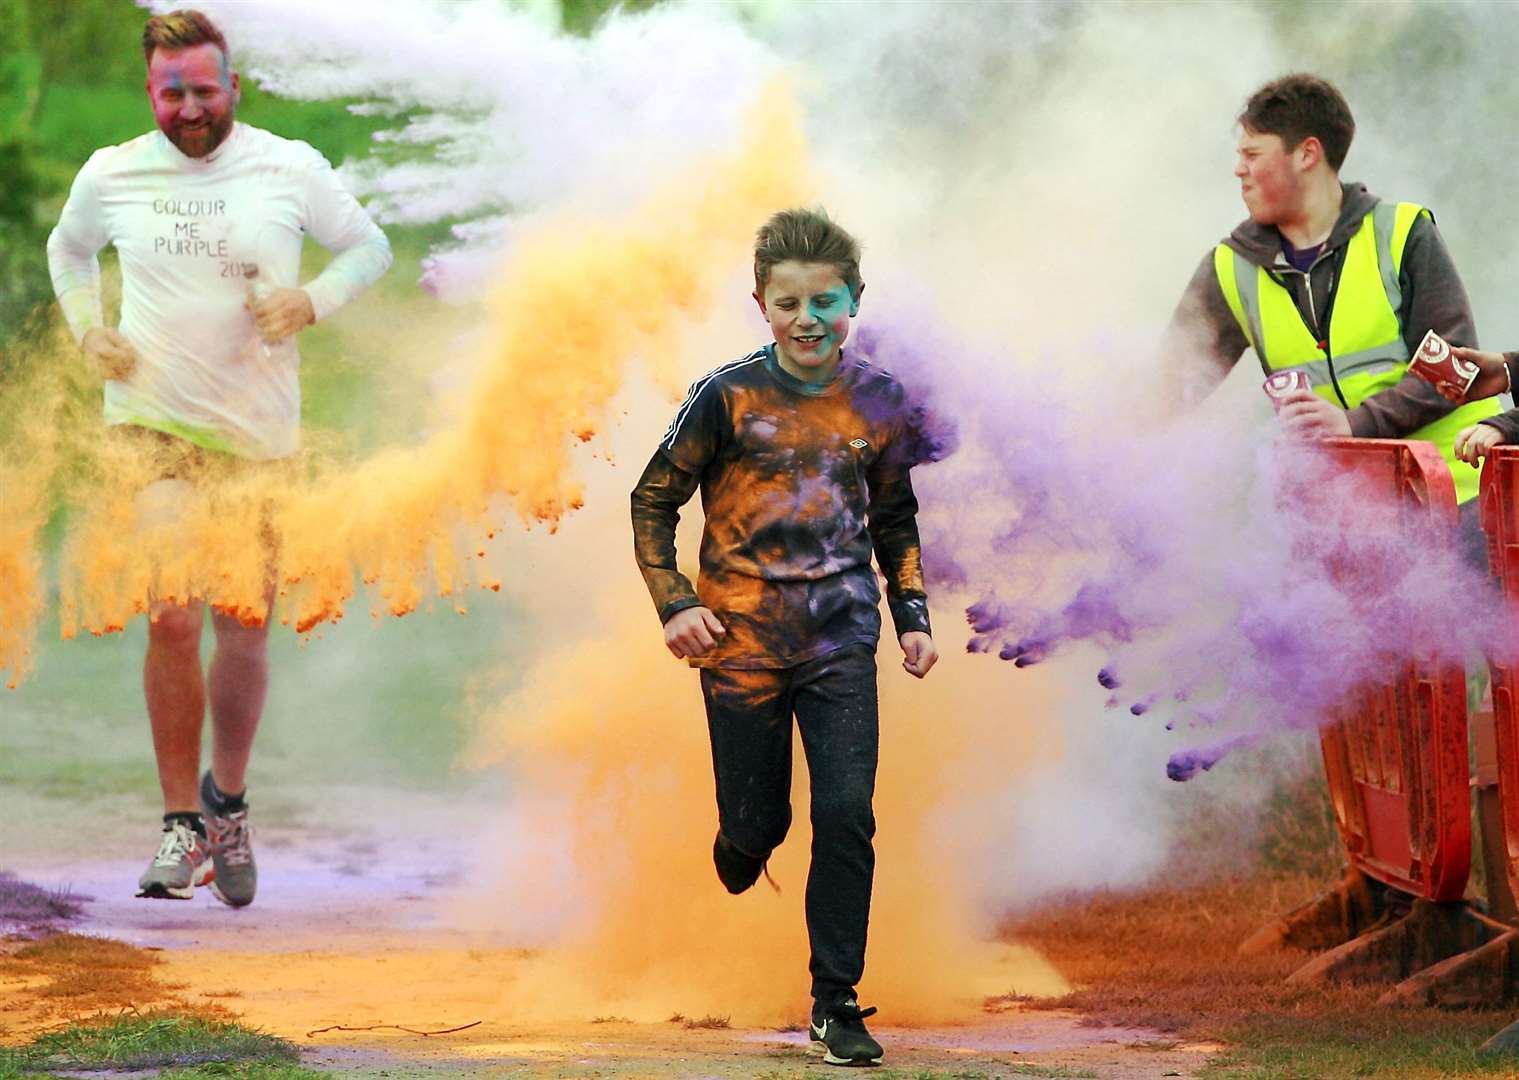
[(1365, 336)]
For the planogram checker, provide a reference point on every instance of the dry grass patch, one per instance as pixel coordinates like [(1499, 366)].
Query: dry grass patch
[(29, 910), (1166, 959), (92, 973)]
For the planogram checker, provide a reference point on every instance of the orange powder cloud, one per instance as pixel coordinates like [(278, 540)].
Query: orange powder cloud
[(579, 300), (613, 814), (605, 854)]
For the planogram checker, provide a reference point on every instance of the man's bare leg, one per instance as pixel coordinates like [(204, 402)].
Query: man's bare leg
[(238, 682), (176, 697)]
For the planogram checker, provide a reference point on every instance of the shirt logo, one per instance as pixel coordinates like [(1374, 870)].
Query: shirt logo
[(858, 444)]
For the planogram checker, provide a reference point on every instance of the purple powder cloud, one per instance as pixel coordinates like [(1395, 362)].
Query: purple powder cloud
[(1234, 578)]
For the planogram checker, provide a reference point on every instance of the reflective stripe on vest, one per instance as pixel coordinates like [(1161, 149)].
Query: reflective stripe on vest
[(1365, 334)]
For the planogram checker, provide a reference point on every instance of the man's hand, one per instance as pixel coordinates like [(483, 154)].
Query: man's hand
[(1474, 442), (692, 631), (919, 653), (1305, 415), (282, 314), (1493, 379), (111, 353)]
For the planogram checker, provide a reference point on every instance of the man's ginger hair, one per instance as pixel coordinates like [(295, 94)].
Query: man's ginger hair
[(181, 29)]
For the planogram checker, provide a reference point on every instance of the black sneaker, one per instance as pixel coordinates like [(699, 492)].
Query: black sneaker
[(839, 1035), (736, 869)]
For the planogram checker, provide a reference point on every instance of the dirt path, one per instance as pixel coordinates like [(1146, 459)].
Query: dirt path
[(354, 928)]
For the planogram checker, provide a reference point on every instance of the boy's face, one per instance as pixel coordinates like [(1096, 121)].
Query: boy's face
[(808, 307), (1270, 177)]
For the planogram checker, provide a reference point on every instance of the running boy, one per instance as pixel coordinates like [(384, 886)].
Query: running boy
[(802, 455)]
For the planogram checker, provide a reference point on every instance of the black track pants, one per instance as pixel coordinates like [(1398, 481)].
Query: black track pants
[(834, 701)]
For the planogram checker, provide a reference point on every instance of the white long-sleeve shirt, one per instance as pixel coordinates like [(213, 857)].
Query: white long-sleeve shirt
[(185, 229)]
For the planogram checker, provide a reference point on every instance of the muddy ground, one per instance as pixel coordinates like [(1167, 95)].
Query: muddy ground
[(351, 929)]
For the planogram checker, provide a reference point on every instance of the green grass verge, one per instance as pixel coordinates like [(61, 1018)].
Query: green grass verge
[(1047, 1072), (1382, 1043), (243, 1072), (189, 1044)]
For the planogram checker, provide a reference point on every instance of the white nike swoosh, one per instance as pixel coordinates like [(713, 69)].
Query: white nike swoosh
[(820, 1032)]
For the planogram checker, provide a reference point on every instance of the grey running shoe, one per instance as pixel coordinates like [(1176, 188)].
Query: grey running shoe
[(183, 862), (236, 877)]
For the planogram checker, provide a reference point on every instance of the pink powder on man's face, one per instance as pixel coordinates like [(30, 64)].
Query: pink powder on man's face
[(194, 97)]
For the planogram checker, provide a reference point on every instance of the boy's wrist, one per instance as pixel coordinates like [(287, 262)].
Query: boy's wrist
[(675, 607), (911, 617)]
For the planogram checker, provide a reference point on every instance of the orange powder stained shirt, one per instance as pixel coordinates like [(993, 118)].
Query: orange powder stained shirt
[(799, 482)]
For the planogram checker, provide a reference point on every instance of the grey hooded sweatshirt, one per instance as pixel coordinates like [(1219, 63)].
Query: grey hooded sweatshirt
[(1206, 341)]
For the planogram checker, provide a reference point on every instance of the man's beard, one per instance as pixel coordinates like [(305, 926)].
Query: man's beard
[(203, 142)]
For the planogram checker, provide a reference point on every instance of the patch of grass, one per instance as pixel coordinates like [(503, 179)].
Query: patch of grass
[(29, 909), (245, 1071), (1005, 1002), (1166, 959), (91, 972), (1053, 1072), (610, 1020), (1383, 1044), (76, 780), (706, 1023), (1298, 833), (158, 1039), (13, 1066)]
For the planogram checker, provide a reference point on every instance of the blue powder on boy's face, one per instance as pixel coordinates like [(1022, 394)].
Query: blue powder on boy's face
[(832, 308)]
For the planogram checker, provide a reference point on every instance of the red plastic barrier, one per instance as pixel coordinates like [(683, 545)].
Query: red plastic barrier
[(1499, 502), (1396, 758)]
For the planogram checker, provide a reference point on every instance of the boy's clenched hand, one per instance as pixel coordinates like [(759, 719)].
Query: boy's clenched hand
[(919, 653), (692, 631)]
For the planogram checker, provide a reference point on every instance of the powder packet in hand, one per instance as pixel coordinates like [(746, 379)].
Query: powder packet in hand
[(1434, 361), (1281, 384)]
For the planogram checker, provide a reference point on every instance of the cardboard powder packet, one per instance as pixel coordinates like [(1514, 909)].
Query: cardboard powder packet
[(1434, 361), (1281, 384)]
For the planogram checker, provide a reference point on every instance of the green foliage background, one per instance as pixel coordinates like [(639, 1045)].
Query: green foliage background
[(396, 696), (71, 78)]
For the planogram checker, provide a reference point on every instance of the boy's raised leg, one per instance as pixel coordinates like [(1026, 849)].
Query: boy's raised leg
[(749, 719)]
